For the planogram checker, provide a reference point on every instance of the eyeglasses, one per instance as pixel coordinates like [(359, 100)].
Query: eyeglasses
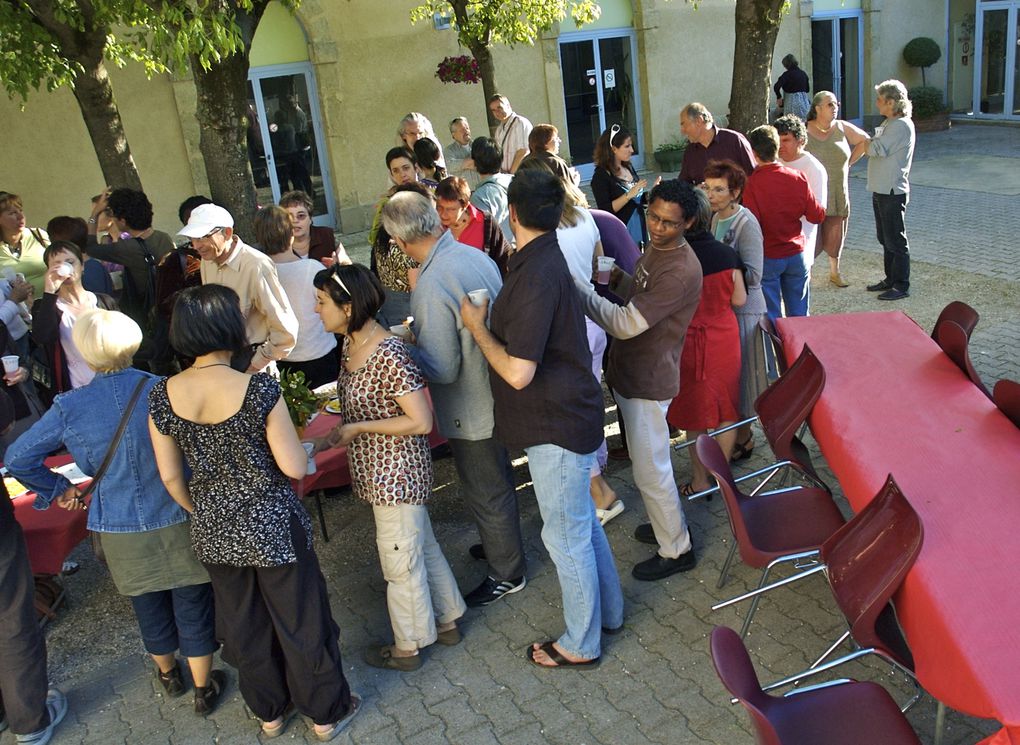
[(717, 189), (214, 232), (667, 224)]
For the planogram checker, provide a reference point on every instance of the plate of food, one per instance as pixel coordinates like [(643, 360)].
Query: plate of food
[(332, 406)]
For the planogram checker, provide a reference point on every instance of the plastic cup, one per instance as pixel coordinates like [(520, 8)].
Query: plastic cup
[(64, 270), (309, 447), (478, 297), (605, 269), (10, 363), (401, 330)]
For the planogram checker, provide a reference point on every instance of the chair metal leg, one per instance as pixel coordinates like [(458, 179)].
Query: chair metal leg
[(774, 585), (754, 603), (760, 472), (830, 650), (687, 443), (724, 574), (940, 723)]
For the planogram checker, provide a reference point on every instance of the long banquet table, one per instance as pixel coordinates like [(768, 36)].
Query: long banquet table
[(894, 403)]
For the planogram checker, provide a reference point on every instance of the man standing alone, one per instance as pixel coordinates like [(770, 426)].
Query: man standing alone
[(890, 154), (548, 403), (511, 134)]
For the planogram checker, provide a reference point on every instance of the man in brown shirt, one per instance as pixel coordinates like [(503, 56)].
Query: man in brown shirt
[(644, 364)]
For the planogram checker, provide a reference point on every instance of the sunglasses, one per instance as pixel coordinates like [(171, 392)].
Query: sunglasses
[(336, 278)]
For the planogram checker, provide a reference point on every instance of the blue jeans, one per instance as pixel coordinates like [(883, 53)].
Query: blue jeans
[(785, 282), (577, 544), (181, 618)]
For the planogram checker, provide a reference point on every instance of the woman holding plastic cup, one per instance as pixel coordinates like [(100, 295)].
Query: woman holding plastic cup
[(54, 314), (386, 422), (615, 183)]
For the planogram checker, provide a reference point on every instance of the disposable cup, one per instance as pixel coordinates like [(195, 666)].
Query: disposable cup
[(64, 270), (478, 297), (309, 447), (400, 330), (605, 268), (10, 363)]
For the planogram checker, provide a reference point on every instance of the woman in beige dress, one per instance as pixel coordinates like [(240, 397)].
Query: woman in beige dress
[(838, 144)]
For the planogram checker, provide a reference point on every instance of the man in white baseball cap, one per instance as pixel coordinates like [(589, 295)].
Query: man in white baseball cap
[(226, 260)]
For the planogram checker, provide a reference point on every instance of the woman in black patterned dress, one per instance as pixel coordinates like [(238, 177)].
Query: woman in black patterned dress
[(247, 526)]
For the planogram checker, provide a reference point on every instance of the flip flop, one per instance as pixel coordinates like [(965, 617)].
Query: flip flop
[(559, 659), (743, 450), (271, 732), (688, 490), (606, 515)]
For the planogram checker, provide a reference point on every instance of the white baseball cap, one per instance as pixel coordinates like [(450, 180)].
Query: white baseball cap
[(204, 219)]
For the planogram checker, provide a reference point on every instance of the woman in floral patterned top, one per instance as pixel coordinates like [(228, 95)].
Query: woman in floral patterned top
[(247, 526), (386, 421)]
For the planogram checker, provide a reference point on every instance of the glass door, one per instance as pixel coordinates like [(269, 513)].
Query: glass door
[(599, 90), (285, 147), (836, 60), (997, 62)]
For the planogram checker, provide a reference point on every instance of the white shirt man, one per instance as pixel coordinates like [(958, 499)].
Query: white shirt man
[(511, 134), (458, 153), (792, 138)]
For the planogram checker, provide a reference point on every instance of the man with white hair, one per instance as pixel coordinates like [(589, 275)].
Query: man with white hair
[(706, 141), (269, 319), (458, 153), (458, 378), (890, 154)]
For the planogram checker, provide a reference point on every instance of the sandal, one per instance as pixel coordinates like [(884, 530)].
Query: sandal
[(688, 490), (275, 731), (743, 450), (341, 725), (559, 659), (604, 516)]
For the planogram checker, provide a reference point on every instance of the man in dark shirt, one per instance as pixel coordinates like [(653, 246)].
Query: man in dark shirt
[(548, 403), (706, 141)]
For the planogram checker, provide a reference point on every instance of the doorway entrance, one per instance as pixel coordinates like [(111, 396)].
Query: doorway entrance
[(600, 84), (997, 60), (285, 146), (837, 58)]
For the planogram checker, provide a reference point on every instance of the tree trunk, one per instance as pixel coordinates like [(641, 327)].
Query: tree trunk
[(757, 25), (483, 55), (222, 113), (94, 94)]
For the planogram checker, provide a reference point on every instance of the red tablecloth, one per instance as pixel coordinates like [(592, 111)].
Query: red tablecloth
[(894, 403), (331, 468), (50, 535)]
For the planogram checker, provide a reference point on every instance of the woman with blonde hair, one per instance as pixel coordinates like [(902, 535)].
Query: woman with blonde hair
[(144, 534)]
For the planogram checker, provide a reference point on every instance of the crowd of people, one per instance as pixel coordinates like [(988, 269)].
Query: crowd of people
[(493, 284)]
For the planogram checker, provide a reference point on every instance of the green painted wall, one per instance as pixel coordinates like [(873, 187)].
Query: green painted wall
[(615, 14), (279, 39)]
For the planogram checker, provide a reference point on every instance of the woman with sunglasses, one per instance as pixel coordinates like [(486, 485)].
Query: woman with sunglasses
[(386, 422), (615, 184)]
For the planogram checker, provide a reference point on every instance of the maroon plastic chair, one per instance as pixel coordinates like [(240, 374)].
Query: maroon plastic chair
[(769, 335), (1006, 395), (955, 342), (787, 525), (783, 409), (960, 313), (837, 713)]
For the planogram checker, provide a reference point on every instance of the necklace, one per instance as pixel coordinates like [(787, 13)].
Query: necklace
[(359, 345), (211, 364), (820, 128)]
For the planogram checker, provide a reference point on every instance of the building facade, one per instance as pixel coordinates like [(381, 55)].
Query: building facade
[(329, 84)]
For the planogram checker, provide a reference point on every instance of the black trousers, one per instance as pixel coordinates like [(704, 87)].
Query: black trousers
[(23, 680), (890, 211), (278, 631)]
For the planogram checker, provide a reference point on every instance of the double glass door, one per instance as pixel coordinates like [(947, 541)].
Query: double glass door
[(997, 63), (836, 61), (285, 147), (600, 89)]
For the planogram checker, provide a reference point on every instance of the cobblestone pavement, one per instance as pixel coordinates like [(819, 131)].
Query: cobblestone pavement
[(656, 683)]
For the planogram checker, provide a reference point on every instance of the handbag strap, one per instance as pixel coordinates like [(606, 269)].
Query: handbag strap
[(108, 458)]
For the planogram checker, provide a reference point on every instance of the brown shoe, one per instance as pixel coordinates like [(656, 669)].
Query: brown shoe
[(837, 279), (383, 657)]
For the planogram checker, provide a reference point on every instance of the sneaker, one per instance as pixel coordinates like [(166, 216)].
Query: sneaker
[(659, 567), (894, 294), (884, 284), (477, 552), (171, 681), (492, 590), (56, 706), (206, 698)]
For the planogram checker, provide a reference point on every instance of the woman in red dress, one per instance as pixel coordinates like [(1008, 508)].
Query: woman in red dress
[(709, 395)]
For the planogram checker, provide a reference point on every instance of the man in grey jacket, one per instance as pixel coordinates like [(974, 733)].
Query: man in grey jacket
[(890, 154), (458, 378)]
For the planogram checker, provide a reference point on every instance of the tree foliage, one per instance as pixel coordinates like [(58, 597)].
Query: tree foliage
[(481, 24), (922, 52)]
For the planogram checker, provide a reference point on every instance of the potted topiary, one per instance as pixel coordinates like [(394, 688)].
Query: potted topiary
[(922, 52), (930, 113), (670, 155)]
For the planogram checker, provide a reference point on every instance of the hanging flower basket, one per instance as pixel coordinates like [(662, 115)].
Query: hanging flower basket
[(463, 69)]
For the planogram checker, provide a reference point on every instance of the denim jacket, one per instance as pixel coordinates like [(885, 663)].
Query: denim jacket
[(130, 498)]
